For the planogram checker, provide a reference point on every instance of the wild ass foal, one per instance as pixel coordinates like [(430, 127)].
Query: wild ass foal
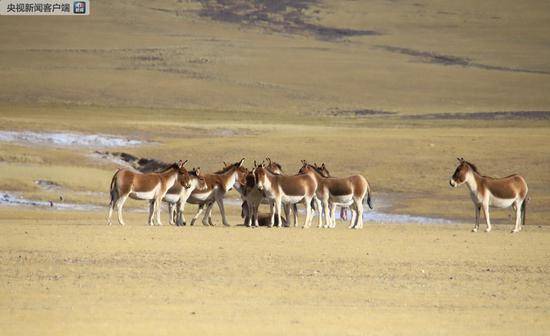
[(177, 196), (152, 187), (346, 191), (487, 191), (286, 189), (217, 185)]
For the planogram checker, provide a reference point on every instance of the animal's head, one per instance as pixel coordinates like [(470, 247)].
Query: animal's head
[(461, 172), (183, 174), (273, 166), (306, 168), (250, 180), (322, 169), (241, 171), (195, 174), (260, 175)]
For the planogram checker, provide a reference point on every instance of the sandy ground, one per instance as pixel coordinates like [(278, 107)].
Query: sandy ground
[(70, 274)]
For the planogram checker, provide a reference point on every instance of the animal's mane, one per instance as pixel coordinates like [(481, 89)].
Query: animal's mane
[(168, 167), (318, 170), (224, 169), (473, 166), (276, 165)]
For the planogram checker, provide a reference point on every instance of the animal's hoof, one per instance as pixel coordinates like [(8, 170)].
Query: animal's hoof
[(515, 231), (474, 230), (487, 230)]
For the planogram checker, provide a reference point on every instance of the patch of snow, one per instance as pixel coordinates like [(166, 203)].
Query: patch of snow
[(11, 200), (67, 139)]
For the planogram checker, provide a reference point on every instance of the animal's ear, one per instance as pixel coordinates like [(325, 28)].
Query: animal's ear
[(262, 164), (323, 165), (240, 162), (181, 163), (304, 162), (460, 159), (268, 159), (198, 170), (225, 164)]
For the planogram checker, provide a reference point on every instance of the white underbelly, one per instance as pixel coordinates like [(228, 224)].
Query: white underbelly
[(292, 199), (342, 200), (200, 197), (172, 198), (143, 195), (501, 202)]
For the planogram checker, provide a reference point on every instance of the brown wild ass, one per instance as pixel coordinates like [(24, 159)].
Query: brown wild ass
[(286, 189), (344, 210), (332, 191), (488, 192), (177, 196), (253, 197), (217, 185), (151, 186)]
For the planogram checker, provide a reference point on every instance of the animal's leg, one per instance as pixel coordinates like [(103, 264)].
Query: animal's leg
[(287, 214), (180, 218), (206, 219), (294, 215), (158, 203), (359, 218), (477, 209), (326, 209), (222, 211), (278, 206), (111, 207), (119, 206), (246, 210), (199, 212), (255, 208), (332, 216), (272, 208), (171, 216), (353, 216), (517, 228), (209, 214), (320, 209), (485, 207), (151, 212), (307, 222)]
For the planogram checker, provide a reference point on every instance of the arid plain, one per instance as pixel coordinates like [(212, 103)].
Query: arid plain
[(393, 90)]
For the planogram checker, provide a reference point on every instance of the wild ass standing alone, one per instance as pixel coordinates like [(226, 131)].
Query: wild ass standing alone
[(151, 186), (496, 192), (346, 191), (177, 196), (286, 189), (217, 185)]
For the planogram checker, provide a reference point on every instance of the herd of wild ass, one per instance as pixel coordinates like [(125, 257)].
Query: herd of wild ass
[(313, 186)]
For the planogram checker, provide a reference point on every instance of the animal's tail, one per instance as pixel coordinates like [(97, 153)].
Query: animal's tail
[(369, 197), (113, 190), (524, 209)]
